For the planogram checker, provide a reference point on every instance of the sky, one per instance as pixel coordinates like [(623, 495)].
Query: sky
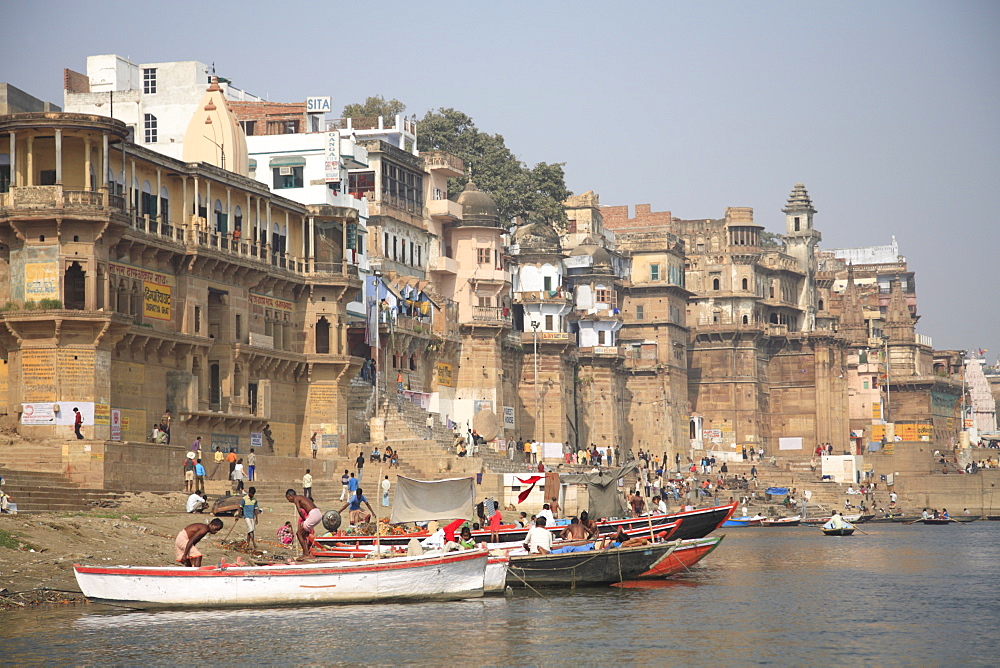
[(888, 112)]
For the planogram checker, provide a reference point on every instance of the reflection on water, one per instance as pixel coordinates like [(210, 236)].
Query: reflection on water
[(900, 595)]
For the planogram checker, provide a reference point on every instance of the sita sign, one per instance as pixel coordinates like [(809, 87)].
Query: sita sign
[(317, 105)]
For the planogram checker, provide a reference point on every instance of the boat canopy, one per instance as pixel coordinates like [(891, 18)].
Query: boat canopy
[(605, 500), (422, 500)]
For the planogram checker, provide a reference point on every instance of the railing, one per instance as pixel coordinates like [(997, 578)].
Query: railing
[(491, 314), (439, 159)]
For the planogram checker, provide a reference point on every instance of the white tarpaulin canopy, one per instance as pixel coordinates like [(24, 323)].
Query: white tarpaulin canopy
[(421, 500)]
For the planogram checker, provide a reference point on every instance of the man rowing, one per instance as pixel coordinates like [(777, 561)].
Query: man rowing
[(184, 545), (309, 517)]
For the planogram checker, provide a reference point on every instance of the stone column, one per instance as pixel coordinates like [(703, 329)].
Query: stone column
[(87, 164), (156, 196), (312, 243), (30, 163), (13, 159), (59, 157), (104, 159)]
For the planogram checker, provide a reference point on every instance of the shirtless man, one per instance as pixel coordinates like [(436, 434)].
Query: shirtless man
[(184, 545), (309, 516), (589, 524), (575, 531)]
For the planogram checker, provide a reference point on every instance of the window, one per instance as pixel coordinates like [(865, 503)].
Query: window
[(602, 296), (654, 272), (361, 184), (248, 127), (866, 385), (484, 256), (402, 188), (288, 176), (547, 283), (395, 248), (640, 312), (149, 80), (419, 248), (715, 284), (385, 246), (486, 301), (239, 328), (602, 338), (197, 319), (549, 323)]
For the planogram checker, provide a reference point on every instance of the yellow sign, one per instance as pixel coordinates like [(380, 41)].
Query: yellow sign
[(878, 432), (41, 280), (445, 374), (102, 414), (156, 300), (876, 410)]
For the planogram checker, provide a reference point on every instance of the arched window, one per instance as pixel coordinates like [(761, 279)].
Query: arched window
[(774, 318), (148, 202), (323, 336), (220, 217), (772, 292), (746, 284), (746, 320), (715, 284), (74, 287), (821, 304), (4, 172)]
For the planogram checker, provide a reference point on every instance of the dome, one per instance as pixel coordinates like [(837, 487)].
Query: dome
[(602, 258), (537, 235), (478, 208)]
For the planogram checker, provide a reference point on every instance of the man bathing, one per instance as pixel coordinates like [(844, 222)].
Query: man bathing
[(184, 545), (309, 517)]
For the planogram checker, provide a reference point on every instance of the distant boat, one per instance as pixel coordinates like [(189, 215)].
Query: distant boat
[(782, 521), (843, 531), (938, 520), (965, 519)]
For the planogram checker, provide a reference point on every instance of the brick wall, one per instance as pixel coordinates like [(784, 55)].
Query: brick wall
[(74, 82), (616, 218)]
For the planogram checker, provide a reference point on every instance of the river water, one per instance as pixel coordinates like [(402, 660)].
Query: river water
[(901, 595)]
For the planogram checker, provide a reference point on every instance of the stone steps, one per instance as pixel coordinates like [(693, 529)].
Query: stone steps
[(40, 491)]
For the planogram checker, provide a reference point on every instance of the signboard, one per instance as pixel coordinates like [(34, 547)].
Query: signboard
[(318, 105), (790, 443), (332, 157), (481, 405), (508, 417), (41, 281), (157, 288), (116, 424), (38, 414), (225, 441), (256, 439), (270, 302), (876, 410), (712, 433), (445, 374), (102, 414), (554, 336)]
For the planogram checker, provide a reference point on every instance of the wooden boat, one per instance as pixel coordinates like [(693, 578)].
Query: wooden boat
[(782, 521), (348, 550), (993, 518), (843, 531), (695, 523), (737, 522), (937, 520), (823, 520), (965, 519), (451, 576), (609, 566)]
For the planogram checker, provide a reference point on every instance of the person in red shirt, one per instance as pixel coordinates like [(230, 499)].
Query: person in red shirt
[(78, 423)]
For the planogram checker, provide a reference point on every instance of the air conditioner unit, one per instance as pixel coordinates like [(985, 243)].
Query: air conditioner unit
[(285, 171)]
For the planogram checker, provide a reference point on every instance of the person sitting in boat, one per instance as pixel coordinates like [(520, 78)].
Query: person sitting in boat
[(621, 539), (925, 515), (539, 539), (309, 517), (358, 516), (944, 514), (465, 539), (184, 545), (575, 531), (589, 524), (836, 522)]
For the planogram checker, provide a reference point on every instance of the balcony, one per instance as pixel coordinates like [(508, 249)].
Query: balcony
[(544, 297), (26, 198), (444, 210), (445, 163), (444, 265), (491, 315)]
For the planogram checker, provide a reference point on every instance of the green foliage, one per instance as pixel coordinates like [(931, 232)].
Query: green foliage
[(49, 303), (536, 193), (10, 541), (374, 105), (770, 240), (31, 305)]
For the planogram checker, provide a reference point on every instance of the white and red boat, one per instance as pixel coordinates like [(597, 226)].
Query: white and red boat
[(695, 523), (449, 576)]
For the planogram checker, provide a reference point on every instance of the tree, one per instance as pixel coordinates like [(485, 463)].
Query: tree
[(536, 193), (374, 105)]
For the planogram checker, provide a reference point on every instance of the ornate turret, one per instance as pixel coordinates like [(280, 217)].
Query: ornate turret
[(899, 323), (852, 319), (800, 242)]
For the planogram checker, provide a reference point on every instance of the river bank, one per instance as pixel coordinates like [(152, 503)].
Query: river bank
[(38, 550)]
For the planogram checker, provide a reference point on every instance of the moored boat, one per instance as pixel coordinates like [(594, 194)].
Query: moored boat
[(737, 522), (608, 566), (782, 521), (937, 520), (965, 519), (450, 576)]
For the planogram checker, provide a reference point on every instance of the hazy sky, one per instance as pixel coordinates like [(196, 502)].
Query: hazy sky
[(887, 111)]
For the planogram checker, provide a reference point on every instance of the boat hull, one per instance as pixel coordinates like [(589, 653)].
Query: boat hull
[(838, 532), (686, 555), (455, 575)]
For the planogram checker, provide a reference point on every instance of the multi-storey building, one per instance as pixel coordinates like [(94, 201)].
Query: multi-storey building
[(123, 301)]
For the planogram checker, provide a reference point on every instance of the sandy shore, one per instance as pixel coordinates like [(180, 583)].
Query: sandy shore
[(38, 550)]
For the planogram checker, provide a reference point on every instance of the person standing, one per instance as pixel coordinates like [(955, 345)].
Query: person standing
[(430, 426), (360, 461), (219, 457), (239, 475), (307, 485), (352, 486), (195, 447), (199, 477), (309, 516), (231, 458), (250, 509), (188, 468), (77, 423), (313, 446), (358, 516), (386, 485), (184, 545), (344, 481), (251, 465), (165, 424)]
